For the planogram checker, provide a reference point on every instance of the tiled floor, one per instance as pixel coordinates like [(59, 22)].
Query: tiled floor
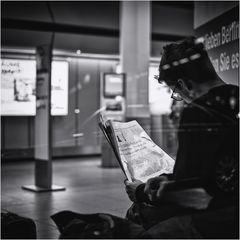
[(89, 189)]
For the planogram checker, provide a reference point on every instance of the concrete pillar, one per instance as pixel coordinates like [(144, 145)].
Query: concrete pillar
[(135, 36), (43, 139)]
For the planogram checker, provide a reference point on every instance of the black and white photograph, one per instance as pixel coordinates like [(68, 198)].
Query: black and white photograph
[(119, 119)]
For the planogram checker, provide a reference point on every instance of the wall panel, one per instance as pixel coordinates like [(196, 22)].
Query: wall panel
[(16, 133), (87, 102)]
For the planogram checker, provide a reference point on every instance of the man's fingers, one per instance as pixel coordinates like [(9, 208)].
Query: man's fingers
[(126, 182), (154, 187), (150, 197), (160, 189), (147, 187)]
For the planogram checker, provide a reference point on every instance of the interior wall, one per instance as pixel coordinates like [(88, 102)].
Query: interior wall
[(72, 134)]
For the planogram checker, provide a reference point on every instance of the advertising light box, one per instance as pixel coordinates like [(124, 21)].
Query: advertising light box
[(18, 87), (59, 88)]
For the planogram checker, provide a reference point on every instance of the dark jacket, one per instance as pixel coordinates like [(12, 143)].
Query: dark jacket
[(208, 125)]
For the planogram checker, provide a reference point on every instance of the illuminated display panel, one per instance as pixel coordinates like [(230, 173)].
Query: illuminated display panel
[(18, 87), (160, 100), (59, 88), (114, 85)]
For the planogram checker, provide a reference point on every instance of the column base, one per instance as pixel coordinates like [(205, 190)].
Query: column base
[(34, 188)]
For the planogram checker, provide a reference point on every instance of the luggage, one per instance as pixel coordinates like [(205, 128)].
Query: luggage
[(14, 226), (218, 224), (94, 226)]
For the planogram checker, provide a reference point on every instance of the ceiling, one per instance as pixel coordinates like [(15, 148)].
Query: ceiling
[(82, 24)]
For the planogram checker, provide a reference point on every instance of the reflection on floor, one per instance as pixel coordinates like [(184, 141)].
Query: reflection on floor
[(89, 189)]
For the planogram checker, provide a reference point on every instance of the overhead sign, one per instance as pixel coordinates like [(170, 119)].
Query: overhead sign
[(221, 40)]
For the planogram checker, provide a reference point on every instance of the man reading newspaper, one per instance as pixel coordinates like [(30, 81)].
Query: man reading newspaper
[(209, 121)]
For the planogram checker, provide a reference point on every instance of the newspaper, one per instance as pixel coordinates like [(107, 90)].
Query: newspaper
[(139, 157)]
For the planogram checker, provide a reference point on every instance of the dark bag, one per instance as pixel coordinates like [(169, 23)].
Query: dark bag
[(14, 226), (100, 225)]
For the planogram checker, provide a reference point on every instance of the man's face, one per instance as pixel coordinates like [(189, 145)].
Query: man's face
[(180, 91)]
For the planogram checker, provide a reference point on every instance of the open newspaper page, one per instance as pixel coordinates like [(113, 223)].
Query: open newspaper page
[(140, 156)]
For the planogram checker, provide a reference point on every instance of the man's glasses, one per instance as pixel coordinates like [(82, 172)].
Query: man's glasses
[(176, 96)]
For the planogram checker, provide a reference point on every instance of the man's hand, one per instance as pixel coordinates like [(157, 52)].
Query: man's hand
[(131, 187), (154, 187)]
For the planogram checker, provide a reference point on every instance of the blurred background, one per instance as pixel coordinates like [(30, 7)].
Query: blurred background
[(104, 59)]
